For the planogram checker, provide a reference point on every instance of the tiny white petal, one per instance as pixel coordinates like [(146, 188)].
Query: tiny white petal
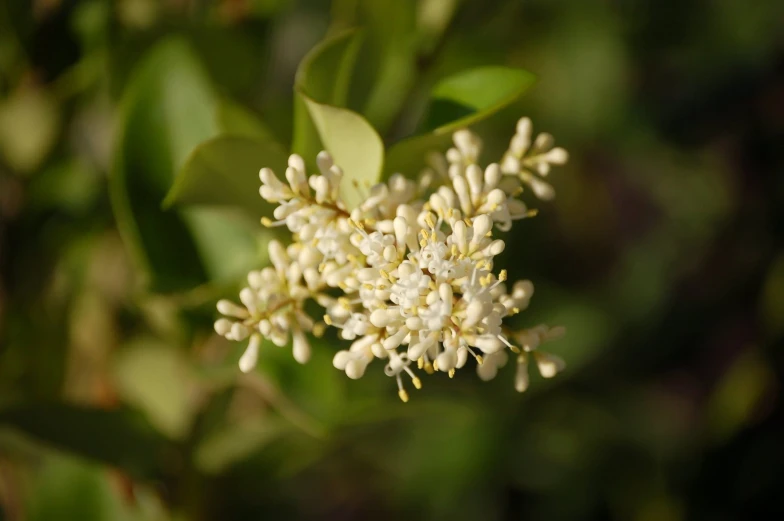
[(549, 365), (301, 346), (251, 354)]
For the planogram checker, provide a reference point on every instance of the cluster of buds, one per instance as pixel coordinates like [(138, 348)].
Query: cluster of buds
[(408, 275)]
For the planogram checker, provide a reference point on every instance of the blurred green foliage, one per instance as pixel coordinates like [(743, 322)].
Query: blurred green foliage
[(131, 134)]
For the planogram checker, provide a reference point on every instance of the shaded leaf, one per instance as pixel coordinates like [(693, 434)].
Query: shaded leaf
[(481, 92), (225, 171), (236, 442), (66, 489), (408, 156), (228, 243), (323, 75), (458, 101), (155, 379), (235, 120), (167, 110), (388, 58), (739, 394), (115, 437), (312, 397)]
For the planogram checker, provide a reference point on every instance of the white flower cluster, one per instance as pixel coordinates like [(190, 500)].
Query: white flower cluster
[(408, 275)]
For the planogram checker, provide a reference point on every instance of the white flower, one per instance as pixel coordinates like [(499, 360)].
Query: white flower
[(523, 158), (272, 306), (548, 364), (408, 275)]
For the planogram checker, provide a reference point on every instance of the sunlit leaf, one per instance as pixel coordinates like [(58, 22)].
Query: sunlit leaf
[(354, 145)]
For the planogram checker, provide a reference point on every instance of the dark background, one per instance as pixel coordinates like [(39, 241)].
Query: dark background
[(662, 255)]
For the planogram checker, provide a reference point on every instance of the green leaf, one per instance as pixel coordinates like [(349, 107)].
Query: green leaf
[(66, 488), (168, 109), (236, 442), (235, 120), (155, 379), (323, 75), (388, 58), (457, 102), (114, 437), (312, 396), (355, 146), (29, 125), (224, 171), (407, 157), (228, 242), (321, 89)]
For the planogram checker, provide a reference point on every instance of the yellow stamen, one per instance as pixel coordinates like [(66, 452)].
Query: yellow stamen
[(318, 329), (403, 395), (417, 382)]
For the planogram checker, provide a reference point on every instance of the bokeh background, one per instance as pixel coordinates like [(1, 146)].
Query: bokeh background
[(663, 255)]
